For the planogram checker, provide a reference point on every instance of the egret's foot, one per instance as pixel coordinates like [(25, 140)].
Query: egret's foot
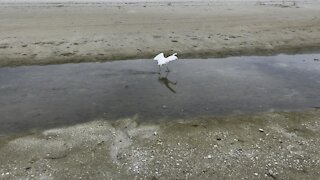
[(167, 70)]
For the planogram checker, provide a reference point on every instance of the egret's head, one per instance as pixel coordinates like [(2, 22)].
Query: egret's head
[(175, 54)]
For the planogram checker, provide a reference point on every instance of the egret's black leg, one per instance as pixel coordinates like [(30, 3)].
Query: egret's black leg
[(159, 70), (168, 68), (167, 74)]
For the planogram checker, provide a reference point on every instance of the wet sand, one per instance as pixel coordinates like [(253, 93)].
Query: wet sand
[(264, 146), (63, 33)]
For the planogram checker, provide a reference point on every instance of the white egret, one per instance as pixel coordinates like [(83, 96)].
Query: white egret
[(165, 60)]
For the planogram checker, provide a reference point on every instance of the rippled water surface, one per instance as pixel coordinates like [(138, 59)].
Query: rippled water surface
[(57, 95)]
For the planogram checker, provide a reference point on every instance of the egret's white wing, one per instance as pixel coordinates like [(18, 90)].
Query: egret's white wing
[(159, 57), (172, 57)]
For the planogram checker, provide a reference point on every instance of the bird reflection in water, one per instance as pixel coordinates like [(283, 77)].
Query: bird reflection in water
[(165, 81)]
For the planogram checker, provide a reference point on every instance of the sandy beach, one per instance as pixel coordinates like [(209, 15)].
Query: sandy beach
[(249, 117), (50, 33)]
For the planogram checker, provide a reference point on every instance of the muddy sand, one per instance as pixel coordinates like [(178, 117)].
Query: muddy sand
[(265, 145), (50, 33)]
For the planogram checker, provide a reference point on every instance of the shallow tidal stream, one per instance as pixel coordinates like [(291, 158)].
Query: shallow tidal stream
[(40, 97)]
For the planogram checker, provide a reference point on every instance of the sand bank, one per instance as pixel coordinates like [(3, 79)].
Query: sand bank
[(266, 145), (40, 33)]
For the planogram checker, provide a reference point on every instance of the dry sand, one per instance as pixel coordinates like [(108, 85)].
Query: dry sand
[(64, 33)]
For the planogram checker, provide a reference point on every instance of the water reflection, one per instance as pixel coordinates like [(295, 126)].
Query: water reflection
[(165, 81)]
